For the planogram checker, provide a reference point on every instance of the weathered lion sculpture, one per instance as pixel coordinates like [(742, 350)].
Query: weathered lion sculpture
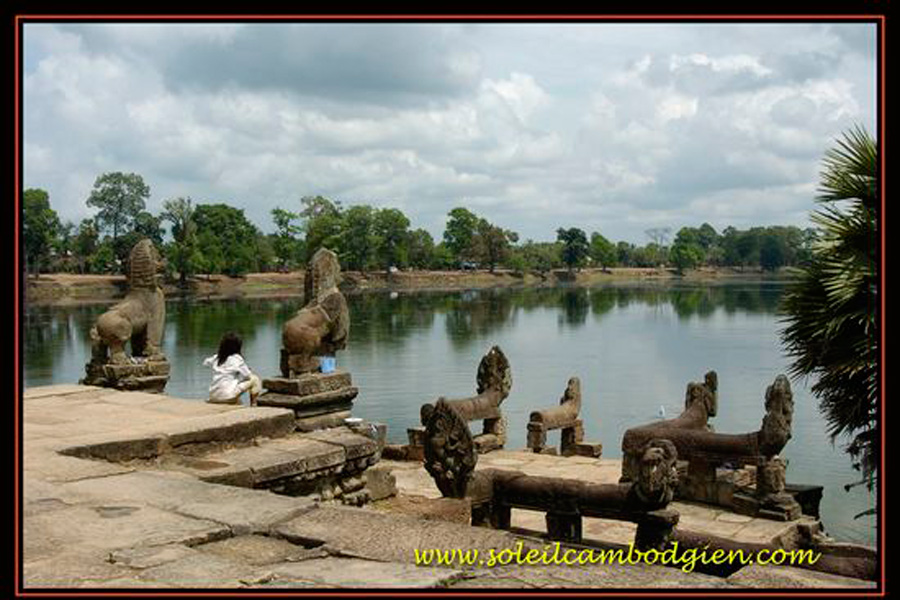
[(321, 327), (140, 317)]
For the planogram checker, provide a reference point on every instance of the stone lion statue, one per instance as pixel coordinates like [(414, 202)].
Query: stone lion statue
[(140, 317), (321, 327)]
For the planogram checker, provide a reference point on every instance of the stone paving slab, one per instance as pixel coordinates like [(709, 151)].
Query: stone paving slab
[(143, 557), (241, 510), (159, 432), (112, 526), (640, 576), (782, 577), (234, 426), (78, 567), (205, 570), (354, 573), (373, 534), (259, 550), (53, 467), (62, 389), (277, 459), (354, 444)]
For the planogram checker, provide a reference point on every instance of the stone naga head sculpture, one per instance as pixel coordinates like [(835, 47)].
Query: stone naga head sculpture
[(450, 455), (657, 475), (321, 327), (704, 393), (139, 318), (776, 426), (494, 373)]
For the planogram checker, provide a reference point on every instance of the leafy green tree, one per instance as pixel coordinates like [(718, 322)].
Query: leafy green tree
[(265, 258), (357, 246), (284, 243), (625, 254), (687, 251), (148, 226), (210, 253), (40, 225), (686, 255), (228, 241), (748, 247), (516, 262), (575, 246), (63, 245), (104, 259), (421, 249), (707, 237), (85, 243), (459, 234), (391, 229), (184, 254), (322, 222), (491, 244), (729, 243), (442, 258), (602, 250), (830, 313), (773, 249), (542, 256), (120, 198)]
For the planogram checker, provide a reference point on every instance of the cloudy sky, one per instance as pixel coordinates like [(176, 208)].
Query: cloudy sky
[(610, 127)]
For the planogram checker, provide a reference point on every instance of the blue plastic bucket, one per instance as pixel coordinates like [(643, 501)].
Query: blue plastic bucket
[(327, 364)]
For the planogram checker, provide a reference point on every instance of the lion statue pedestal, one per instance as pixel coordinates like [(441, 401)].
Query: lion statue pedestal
[(138, 319), (319, 329)]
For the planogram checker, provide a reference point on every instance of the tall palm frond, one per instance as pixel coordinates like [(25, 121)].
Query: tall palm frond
[(830, 313)]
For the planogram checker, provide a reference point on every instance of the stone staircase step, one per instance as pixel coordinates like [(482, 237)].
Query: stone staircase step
[(235, 426)]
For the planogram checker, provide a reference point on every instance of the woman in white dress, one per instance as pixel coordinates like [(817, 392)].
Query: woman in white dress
[(231, 375)]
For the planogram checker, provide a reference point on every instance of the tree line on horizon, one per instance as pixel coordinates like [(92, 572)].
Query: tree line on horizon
[(216, 238)]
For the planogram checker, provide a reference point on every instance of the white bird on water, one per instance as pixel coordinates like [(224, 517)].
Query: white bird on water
[(662, 412)]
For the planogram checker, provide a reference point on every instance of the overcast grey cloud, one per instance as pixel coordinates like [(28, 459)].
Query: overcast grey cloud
[(606, 126)]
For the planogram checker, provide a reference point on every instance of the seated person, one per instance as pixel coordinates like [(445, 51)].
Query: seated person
[(231, 375)]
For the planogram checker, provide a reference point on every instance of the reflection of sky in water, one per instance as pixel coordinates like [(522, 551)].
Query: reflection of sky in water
[(634, 348)]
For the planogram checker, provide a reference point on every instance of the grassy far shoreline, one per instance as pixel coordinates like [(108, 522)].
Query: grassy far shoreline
[(66, 288)]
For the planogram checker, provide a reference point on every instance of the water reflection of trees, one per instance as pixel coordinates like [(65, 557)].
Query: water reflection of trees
[(388, 320), (575, 305), (688, 302), (477, 314), (201, 323), (49, 332)]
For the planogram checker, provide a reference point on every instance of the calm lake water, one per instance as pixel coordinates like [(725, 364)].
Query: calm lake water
[(635, 348)]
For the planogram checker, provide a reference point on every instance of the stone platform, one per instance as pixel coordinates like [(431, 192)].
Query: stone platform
[(142, 375), (103, 506), (318, 399)]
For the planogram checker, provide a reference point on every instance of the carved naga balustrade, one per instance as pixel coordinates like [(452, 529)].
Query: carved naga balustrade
[(494, 381), (565, 418), (706, 451), (450, 459)]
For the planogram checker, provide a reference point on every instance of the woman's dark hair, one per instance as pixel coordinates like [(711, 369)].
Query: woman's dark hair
[(229, 344)]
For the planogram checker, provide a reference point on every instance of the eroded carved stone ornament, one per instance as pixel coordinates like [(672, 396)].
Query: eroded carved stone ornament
[(776, 426), (138, 319), (450, 455), (321, 327), (657, 475)]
